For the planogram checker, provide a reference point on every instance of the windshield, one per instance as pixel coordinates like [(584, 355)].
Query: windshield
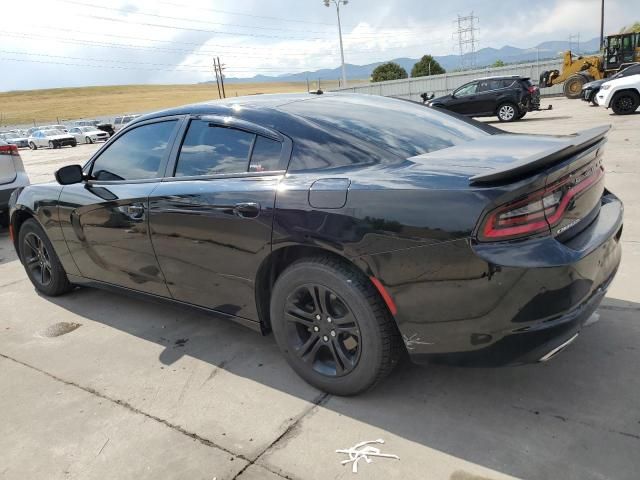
[(87, 129), (49, 133)]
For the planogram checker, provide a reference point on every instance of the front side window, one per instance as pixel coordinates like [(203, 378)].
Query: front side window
[(209, 149), (466, 90), (136, 155)]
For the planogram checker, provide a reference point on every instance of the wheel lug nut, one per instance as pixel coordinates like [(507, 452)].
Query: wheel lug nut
[(333, 333), (316, 328), (329, 319), (318, 317), (325, 338)]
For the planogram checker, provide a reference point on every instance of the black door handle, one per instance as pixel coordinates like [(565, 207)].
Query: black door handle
[(247, 209)]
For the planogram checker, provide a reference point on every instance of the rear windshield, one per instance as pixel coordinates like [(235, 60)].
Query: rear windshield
[(403, 128)]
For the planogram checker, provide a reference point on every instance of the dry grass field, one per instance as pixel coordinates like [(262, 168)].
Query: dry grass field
[(59, 104)]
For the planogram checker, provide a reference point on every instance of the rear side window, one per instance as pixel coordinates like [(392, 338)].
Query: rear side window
[(209, 150), (136, 155), (266, 155), (632, 70), (402, 128)]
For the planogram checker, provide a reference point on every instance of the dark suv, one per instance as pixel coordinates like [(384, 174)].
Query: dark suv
[(509, 98)]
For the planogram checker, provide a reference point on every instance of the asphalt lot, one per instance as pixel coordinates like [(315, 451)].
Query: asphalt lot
[(143, 390)]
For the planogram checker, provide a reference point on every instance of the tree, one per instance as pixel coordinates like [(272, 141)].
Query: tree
[(498, 63), (426, 66), (635, 28), (388, 71)]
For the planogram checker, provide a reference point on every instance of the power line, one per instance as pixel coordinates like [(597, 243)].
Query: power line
[(372, 35)]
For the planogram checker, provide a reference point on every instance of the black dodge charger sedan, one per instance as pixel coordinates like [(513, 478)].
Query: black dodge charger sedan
[(354, 227)]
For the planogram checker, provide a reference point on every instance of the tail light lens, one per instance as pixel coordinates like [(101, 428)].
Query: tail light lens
[(538, 211), (9, 150)]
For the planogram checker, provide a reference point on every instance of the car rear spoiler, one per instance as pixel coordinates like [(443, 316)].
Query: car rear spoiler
[(574, 143)]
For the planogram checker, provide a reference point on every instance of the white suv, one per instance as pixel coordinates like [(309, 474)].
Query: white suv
[(622, 95)]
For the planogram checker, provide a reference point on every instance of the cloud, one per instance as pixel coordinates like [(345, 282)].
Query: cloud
[(64, 43)]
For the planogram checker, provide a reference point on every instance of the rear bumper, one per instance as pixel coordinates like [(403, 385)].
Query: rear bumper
[(502, 303)]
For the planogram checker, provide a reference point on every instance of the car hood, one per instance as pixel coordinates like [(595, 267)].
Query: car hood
[(65, 136), (594, 84), (444, 98)]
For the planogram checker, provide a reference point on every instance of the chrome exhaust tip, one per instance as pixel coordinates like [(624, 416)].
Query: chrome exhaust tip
[(558, 349)]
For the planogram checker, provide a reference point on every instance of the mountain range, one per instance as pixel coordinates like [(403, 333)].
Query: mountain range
[(484, 58)]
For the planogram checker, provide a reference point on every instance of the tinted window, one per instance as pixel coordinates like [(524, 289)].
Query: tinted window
[(632, 70), (266, 155), (209, 149), (136, 155), (466, 90), (400, 127), (487, 85)]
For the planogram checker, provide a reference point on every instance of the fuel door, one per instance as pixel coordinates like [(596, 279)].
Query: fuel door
[(329, 193)]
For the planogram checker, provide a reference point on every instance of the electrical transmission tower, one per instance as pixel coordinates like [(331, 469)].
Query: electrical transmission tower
[(465, 33), (573, 45)]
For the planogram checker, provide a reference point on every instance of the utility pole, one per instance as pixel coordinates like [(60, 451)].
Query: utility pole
[(337, 3), (221, 70), (467, 42), (602, 26), (215, 69)]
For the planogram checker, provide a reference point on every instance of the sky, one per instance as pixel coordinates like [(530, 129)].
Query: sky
[(64, 43)]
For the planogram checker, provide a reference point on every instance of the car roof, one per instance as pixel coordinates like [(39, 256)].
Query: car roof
[(502, 77), (243, 107)]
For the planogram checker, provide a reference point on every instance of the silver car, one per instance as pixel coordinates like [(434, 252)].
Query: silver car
[(51, 139), (16, 139), (12, 176), (88, 134)]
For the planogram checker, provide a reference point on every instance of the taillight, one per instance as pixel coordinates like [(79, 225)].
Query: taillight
[(532, 89), (9, 150), (539, 211)]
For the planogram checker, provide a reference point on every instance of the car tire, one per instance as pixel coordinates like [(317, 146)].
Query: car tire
[(51, 144), (74, 143), (521, 115), (40, 261), (572, 87), (4, 219), (625, 103), (332, 326), (33, 146), (88, 140), (507, 112)]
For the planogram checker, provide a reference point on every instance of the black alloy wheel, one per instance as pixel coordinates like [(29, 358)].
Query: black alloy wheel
[(332, 325), (37, 259), (625, 103), (322, 330), (40, 260)]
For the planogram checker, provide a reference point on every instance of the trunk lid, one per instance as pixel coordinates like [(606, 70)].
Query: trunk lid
[(530, 172)]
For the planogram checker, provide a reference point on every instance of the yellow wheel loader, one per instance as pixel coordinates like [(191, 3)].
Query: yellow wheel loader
[(619, 50)]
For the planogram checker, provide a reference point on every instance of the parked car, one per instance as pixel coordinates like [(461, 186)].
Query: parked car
[(88, 134), (16, 139), (51, 139), (354, 227), (120, 122), (591, 89), (12, 176), (509, 98), (104, 126), (621, 95)]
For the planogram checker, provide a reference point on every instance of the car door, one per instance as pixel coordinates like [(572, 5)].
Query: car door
[(105, 219), (211, 218), (77, 134), (463, 99), (486, 99)]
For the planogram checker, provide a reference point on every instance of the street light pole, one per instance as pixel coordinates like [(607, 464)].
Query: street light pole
[(337, 3), (602, 26)]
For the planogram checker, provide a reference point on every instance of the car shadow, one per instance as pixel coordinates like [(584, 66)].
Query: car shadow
[(577, 414)]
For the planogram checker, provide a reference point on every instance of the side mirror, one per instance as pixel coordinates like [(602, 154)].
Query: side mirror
[(69, 175)]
